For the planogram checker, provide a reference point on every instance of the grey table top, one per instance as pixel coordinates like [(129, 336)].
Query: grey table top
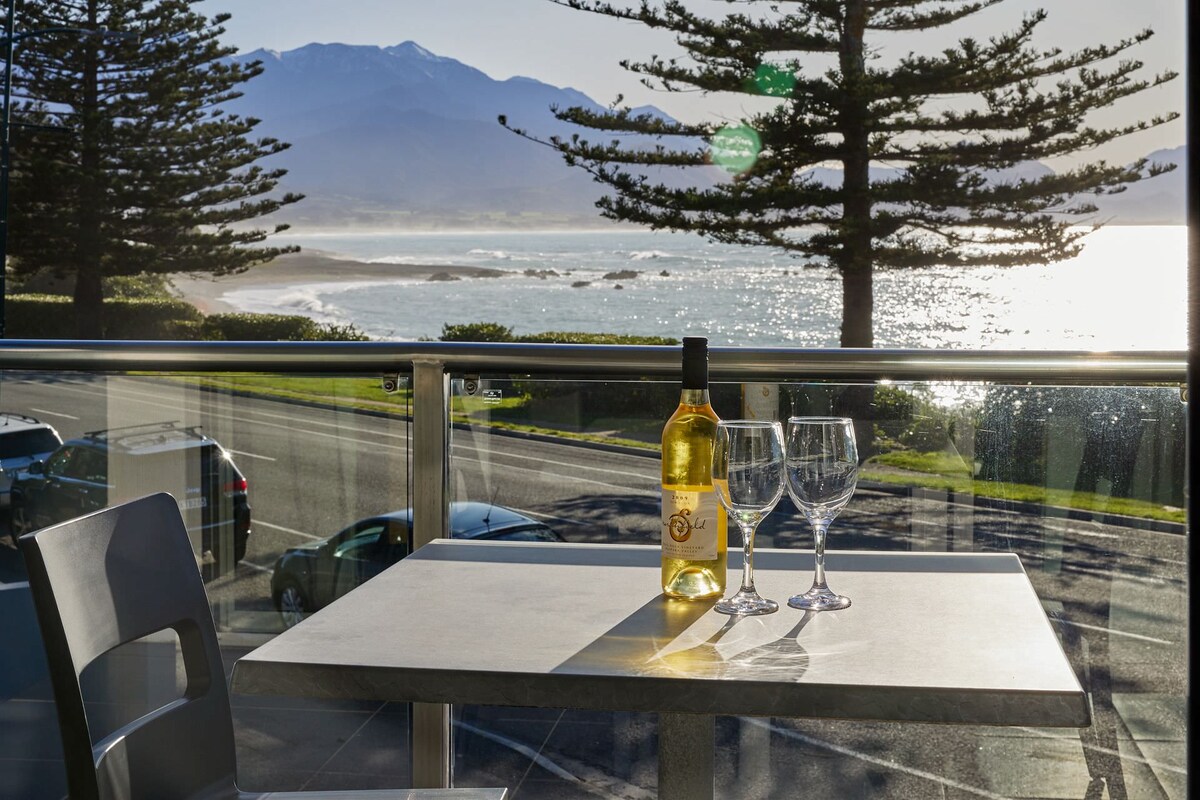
[(934, 637)]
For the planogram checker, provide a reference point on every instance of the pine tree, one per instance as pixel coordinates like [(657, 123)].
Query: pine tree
[(123, 159), (945, 200)]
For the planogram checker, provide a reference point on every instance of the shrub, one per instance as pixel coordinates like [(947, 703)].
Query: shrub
[(245, 327), (33, 316), (476, 332), (569, 337)]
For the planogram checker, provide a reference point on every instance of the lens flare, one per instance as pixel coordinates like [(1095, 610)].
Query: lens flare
[(774, 81), (735, 148)]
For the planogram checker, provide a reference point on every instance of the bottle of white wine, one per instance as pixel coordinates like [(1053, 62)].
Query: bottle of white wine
[(693, 523)]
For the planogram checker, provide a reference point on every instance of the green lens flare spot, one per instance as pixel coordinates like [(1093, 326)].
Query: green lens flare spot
[(736, 148), (774, 81)]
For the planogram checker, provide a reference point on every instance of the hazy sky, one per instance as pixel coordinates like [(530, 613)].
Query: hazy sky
[(564, 47)]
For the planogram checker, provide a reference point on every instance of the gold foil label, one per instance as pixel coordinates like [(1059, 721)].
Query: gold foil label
[(689, 524)]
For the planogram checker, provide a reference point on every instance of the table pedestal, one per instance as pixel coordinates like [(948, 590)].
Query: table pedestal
[(686, 743)]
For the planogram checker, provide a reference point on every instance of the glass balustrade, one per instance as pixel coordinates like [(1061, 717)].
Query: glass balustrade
[(297, 488)]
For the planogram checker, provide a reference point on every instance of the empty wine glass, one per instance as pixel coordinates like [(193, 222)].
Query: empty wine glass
[(748, 476), (822, 471)]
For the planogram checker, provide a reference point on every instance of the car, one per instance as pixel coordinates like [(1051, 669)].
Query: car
[(310, 577), (109, 466), (23, 440)]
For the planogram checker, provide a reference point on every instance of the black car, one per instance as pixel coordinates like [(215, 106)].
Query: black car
[(105, 467), (310, 577)]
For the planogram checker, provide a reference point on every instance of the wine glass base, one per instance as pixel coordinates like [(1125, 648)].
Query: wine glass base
[(819, 600), (746, 604)]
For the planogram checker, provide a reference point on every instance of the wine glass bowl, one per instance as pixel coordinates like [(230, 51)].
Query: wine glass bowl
[(822, 472), (748, 475)]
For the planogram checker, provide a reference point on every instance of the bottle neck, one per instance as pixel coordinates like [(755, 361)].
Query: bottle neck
[(693, 397)]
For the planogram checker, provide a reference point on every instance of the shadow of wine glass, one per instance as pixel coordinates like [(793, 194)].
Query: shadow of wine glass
[(782, 658), (777, 660)]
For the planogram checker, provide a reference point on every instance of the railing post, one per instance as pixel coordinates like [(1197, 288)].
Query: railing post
[(430, 743)]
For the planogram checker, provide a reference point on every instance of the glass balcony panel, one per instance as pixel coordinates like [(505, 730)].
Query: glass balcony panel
[(301, 460), (1084, 483)]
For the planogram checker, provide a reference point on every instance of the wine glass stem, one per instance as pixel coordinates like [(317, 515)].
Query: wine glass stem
[(747, 555), (819, 531)]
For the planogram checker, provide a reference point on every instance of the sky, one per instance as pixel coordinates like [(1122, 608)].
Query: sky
[(569, 48)]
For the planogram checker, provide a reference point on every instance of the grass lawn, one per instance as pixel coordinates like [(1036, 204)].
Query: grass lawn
[(941, 470)]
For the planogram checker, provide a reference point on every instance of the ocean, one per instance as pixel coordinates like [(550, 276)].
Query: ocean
[(1125, 291)]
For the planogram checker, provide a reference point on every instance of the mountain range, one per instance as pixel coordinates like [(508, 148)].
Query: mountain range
[(399, 137)]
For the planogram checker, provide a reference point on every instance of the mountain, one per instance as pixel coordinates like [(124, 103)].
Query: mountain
[(398, 136), (401, 137), (1160, 200)]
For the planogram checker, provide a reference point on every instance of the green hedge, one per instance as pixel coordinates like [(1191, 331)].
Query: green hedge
[(495, 332), (47, 316), (276, 327)]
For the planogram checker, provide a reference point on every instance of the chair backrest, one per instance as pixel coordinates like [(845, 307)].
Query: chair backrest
[(109, 578)]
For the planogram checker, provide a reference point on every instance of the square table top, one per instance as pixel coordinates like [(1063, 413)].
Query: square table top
[(930, 637)]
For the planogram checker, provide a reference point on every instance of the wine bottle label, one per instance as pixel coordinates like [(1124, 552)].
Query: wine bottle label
[(689, 525)]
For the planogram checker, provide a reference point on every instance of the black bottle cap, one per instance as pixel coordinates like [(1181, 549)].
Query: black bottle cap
[(695, 362)]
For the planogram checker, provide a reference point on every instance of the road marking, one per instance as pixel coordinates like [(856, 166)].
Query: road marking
[(252, 455), (274, 415), (289, 530), (53, 413), (574, 465), (258, 567), (1125, 756), (525, 750), (174, 408), (881, 762), (1113, 631)]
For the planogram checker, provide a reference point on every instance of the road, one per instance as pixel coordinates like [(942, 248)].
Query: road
[(1117, 593)]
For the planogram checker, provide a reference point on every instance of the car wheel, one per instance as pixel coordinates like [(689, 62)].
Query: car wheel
[(20, 521), (292, 605)]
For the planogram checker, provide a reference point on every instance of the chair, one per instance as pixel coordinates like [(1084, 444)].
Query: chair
[(115, 576)]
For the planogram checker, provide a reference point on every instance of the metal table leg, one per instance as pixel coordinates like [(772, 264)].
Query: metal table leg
[(686, 744)]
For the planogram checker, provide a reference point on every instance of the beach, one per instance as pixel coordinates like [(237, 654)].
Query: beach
[(307, 267)]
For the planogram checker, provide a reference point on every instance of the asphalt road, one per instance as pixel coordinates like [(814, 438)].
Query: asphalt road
[(1116, 593)]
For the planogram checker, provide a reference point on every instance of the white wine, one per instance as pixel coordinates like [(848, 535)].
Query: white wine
[(693, 523)]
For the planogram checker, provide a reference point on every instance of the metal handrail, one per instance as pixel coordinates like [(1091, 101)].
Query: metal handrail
[(728, 363)]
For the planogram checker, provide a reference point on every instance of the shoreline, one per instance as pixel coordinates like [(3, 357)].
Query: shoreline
[(310, 266)]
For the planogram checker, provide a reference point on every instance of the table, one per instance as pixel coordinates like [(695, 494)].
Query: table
[(931, 637)]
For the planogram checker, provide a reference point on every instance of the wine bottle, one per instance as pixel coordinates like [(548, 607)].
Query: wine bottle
[(693, 523)]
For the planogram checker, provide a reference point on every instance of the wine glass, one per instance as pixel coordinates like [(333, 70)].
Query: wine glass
[(748, 477), (822, 471)]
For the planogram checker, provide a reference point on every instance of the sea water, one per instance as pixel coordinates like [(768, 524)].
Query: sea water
[(1126, 290)]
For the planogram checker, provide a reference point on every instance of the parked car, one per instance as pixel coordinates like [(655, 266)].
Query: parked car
[(312, 576), (23, 440), (105, 467)]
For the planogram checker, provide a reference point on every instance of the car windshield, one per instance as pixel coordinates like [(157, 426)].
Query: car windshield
[(26, 443)]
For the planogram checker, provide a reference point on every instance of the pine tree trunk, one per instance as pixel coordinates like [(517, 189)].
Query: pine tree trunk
[(856, 261), (89, 291), (856, 401), (89, 305)]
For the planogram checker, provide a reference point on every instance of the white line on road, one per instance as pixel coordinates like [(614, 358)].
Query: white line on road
[(525, 750), (309, 420), (289, 530), (258, 567), (880, 762), (1124, 755), (53, 413), (1113, 631), (570, 464), (252, 455)]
